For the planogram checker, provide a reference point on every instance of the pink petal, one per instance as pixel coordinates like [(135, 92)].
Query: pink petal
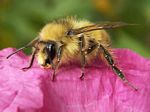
[(100, 91)]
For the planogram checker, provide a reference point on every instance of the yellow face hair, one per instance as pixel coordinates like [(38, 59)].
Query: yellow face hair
[(69, 39)]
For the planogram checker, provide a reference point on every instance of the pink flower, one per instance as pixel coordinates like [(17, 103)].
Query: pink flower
[(100, 91)]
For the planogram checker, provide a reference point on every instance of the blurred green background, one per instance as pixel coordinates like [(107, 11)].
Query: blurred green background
[(21, 20)]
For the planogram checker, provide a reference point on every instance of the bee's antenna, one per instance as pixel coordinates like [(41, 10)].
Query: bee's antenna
[(16, 51), (30, 44)]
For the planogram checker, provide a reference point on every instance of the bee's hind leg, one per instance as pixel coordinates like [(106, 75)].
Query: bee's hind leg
[(111, 62)]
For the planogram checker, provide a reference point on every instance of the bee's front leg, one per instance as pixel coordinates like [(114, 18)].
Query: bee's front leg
[(58, 55), (31, 60)]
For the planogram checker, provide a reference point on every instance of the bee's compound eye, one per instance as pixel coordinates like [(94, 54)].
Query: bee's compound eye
[(70, 33), (51, 51), (47, 61)]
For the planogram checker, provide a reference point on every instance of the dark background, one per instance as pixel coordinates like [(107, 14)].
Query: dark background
[(21, 20)]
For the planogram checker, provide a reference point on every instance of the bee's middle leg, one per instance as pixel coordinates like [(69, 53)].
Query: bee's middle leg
[(82, 56), (92, 46)]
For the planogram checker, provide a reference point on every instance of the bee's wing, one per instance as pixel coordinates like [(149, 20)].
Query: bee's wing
[(108, 25)]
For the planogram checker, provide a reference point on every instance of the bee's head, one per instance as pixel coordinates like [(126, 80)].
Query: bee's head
[(47, 53)]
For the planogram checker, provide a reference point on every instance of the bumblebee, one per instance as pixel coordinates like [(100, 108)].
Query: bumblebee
[(67, 39)]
